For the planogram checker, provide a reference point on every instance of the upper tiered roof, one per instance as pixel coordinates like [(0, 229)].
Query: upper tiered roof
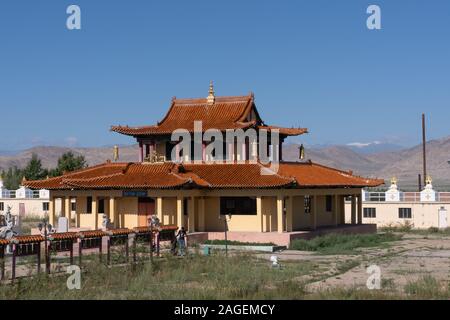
[(221, 113)]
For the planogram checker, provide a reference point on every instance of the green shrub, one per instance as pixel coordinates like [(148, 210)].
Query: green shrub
[(342, 243), (427, 287)]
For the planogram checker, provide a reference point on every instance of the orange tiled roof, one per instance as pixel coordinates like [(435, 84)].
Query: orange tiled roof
[(142, 229), (206, 175), (235, 175), (3, 242), (63, 236), (119, 232), (102, 170), (309, 174), (225, 113), (27, 239), (169, 228), (285, 131), (91, 234)]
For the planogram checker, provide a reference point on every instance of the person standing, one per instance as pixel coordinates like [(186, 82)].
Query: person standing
[(181, 237)]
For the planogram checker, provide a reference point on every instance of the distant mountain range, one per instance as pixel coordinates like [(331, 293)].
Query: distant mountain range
[(378, 160), (405, 164)]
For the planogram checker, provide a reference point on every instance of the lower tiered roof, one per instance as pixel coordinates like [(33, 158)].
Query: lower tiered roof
[(169, 175)]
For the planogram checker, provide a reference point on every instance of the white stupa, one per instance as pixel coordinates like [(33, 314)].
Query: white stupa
[(428, 194), (393, 194)]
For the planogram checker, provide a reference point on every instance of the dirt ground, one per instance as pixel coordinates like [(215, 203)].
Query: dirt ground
[(402, 262)]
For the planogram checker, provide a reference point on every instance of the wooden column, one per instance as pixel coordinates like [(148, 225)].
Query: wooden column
[(67, 208), (342, 209), (113, 213), (201, 214), (289, 213), (313, 217), (353, 221), (148, 150), (180, 215), (191, 217), (360, 209), (141, 152), (62, 212), (95, 211), (52, 209), (280, 214), (159, 207), (280, 151), (336, 210), (259, 212)]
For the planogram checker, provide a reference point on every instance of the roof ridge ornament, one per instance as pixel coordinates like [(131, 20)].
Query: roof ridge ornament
[(211, 97)]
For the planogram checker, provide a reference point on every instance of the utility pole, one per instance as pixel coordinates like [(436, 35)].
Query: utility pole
[(424, 142)]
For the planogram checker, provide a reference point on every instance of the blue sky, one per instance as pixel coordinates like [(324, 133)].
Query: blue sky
[(309, 63)]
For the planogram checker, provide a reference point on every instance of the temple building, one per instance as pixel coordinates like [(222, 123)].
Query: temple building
[(257, 201)]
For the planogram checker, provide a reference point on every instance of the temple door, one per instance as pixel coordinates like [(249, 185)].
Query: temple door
[(145, 210)]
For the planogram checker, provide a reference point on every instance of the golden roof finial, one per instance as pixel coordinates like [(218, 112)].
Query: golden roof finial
[(211, 98), (428, 180), (394, 180), (116, 153), (302, 152)]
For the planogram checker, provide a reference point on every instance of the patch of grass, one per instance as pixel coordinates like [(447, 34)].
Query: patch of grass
[(387, 284), (343, 243), (354, 294), (427, 287), (405, 227), (238, 243), (409, 229), (347, 265), (240, 276)]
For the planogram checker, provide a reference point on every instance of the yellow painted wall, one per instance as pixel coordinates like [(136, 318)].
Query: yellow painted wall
[(300, 219), (269, 214), (169, 208), (212, 212), (128, 212), (86, 220), (250, 223), (324, 218)]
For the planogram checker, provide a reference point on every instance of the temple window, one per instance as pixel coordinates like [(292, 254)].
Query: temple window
[(89, 205), (307, 204), (329, 203), (238, 205), (101, 206)]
